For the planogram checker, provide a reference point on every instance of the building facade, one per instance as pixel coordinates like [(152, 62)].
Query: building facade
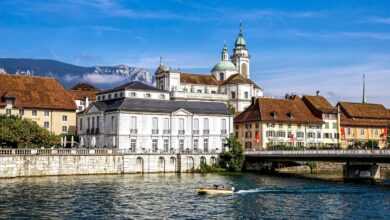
[(228, 82), (40, 99), (143, 119), (364, 125), (289, 122)]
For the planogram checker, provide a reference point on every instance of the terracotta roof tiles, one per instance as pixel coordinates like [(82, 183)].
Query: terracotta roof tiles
[(190, 78), (35, 92)]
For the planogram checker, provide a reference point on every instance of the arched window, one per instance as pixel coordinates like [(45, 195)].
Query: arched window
[(221, 76)]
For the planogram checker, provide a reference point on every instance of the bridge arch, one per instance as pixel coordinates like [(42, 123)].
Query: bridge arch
[(190, 163)]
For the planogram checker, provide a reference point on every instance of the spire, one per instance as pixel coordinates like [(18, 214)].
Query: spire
[(241, 29), (224, 54), (364, 89), (161, 60), (240, 41)]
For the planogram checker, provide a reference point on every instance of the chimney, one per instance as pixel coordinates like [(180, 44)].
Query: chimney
[(318, 92)]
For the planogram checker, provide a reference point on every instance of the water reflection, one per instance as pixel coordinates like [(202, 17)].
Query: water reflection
[(173, 196)]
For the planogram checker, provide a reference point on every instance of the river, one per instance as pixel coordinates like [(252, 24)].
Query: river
[(171, 196)]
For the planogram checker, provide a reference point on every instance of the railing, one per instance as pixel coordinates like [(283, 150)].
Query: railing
[(154, 131), (92, 151), (319, 152)]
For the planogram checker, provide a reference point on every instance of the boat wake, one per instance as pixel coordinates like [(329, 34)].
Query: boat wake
[(299, 191)]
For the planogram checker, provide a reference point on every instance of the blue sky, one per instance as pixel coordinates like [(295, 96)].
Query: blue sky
[(296, 46)]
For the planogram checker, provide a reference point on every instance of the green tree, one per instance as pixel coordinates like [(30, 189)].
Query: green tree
[(23, 133), (233, 159)]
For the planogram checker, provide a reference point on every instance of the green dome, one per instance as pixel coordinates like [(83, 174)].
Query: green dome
[(224, 66), (240, 41)]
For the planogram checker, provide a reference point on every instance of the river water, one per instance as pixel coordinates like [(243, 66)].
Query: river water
[(171, 196)]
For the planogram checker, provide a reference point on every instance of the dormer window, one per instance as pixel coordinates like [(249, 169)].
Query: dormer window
[(274, 115), (221, 76), (115, 95), (109, 96), (290, 115)]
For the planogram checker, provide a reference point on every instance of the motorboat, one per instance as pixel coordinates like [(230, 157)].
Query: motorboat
[(216, 190)]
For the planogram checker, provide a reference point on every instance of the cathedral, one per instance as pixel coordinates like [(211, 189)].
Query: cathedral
[(228, 81)]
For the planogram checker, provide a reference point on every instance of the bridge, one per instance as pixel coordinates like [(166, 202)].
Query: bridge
[(359, 163)]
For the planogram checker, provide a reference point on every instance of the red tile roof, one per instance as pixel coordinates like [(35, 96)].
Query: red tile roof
[(83, 90), (365, 115), (191, 78), (319, 104), (238, 79), (272, 110), (35, 92)]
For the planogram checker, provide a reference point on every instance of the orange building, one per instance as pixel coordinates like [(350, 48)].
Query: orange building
[(40, 99), (364, 125)]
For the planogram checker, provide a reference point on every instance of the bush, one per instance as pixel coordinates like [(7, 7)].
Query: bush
[(233, 159), (23, 133)]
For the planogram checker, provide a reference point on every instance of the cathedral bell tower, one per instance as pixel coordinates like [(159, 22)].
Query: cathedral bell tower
[(240, 56)]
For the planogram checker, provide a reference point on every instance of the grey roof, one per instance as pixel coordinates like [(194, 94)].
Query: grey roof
[(164, 106), (134, 85)]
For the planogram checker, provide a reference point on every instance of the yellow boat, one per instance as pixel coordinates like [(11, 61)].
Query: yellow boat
[(215, 191)]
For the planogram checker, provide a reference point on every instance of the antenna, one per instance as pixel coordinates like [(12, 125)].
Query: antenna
[(160, 60), (364, 89)]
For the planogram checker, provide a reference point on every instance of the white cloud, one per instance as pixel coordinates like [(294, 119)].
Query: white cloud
[(71, 78), (95, 78)]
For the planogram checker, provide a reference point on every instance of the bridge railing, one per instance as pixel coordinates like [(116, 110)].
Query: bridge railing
[(319, 152), (91, 151)]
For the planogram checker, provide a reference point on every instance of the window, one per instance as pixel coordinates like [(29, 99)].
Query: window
[(349, 131), (196, 145), (233, 94), (281, 134), (196, 126), (93, 122), (21, 111), (206, 145), (300, 134), (133, 124), (166, 126), (376, 132), (116, 95), (162, 96), (46, 113), (289, 126), (181, 125), (270, 133), (64, 118), (166, 145), (34, 112), (311, 135), (97, 121), (112, 123), (280, 125), (236, 134), (319, 135), (46, 124), (88, 123), (147, 95), (362, 131), (64, 129), (246, 94), (223, 126), (199, 91), (336, 135), (257, 125), (327, 135), (133, 145), (8, 111), (133, 94), (206, 126), (248, 134), (248, 126), (221, 76), (154, 125), (334, 125), (154, 145), (248, 145), (109, 96), (326, 125), (181, 145), (81, 124)]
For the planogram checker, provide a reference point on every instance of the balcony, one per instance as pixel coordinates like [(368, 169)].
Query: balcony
[(154, 131), (206, 132), (133, 131), (223, 131), (166, 131), (195, 132), (182, 132)]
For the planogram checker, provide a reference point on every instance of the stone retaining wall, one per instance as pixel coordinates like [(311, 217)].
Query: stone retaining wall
[(51, 165)]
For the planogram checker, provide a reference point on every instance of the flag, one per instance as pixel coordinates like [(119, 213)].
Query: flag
[(342, 132), (257, 136)]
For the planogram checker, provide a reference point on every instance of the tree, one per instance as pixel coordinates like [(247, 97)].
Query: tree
[(23, 133), (233, 159)]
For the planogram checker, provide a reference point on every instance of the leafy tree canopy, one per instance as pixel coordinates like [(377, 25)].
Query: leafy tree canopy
[(23, 133), (233, 159)]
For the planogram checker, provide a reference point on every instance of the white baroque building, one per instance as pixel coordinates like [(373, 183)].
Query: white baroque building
[(228, 82), (143, 119)]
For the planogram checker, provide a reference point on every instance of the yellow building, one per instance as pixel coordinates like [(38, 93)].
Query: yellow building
[(41, 99), (363, 124)]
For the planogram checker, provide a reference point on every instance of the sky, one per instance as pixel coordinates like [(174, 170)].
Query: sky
[(296, 46)]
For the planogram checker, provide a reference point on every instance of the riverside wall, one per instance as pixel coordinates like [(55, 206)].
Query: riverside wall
[(28, 163)]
